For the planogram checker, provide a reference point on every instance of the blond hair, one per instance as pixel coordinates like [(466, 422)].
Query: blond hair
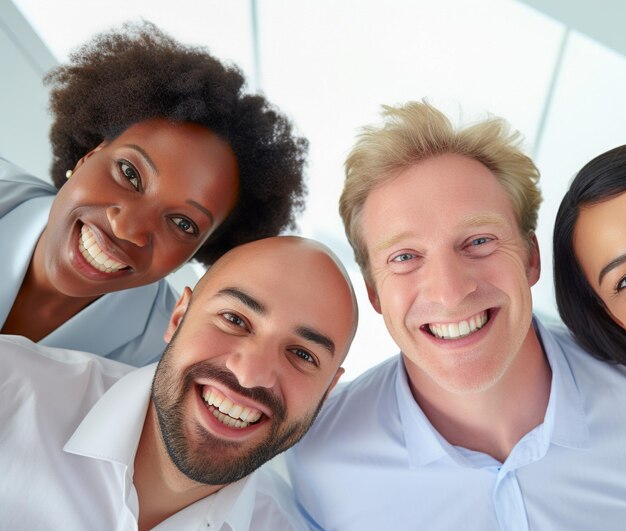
[(417, 131)]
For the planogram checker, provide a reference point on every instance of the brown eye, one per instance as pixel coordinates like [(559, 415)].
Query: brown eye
[(130, 173), (304, 355), (187, 226)]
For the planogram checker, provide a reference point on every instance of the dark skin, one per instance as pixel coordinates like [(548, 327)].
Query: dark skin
[(150, 198), (37, 312)]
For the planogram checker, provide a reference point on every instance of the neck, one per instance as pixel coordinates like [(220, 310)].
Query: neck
[(492, 420), (162, 489), (39, 308)]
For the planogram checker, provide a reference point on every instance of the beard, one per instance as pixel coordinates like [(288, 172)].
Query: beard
[(200, 455)]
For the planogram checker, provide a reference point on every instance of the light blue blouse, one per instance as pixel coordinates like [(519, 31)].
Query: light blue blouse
[(126, 325)]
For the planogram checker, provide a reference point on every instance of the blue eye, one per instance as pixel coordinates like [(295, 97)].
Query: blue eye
[(130, 173), (621, 284), (403, 257), (480, 241)]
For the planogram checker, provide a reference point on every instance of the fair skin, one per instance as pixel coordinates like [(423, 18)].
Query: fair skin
[(600, 247), (279, 328), (451, 276), (143, 204)]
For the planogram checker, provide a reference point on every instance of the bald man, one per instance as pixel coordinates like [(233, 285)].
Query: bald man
[(89, 443)]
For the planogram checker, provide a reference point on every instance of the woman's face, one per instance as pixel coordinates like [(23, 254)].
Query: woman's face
[(137, 208), (600, 246)]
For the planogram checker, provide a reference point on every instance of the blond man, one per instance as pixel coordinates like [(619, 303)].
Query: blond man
[(486, 420)]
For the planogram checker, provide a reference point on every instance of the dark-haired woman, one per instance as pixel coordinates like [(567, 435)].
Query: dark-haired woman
[(590, 256), (159, 157)]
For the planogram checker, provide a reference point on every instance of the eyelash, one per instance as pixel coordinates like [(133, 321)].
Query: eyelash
[(621, 284), (235, 320), (239, 322), (409, 256), (309, 357), (483, 239), (126, 167), (182, 219), (122, 163)]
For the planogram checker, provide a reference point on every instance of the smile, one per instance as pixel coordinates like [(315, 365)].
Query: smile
[(459, 329), (94, 255), (227, 412)]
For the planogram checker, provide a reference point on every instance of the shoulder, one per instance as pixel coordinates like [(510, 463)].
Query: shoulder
[(376, 382), (588, 371), (32, 361), (17, 186), (275, 506), (12, 175), (50, 389), (361, 408)]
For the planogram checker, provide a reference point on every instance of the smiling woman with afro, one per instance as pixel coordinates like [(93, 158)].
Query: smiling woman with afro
[(159, 156)]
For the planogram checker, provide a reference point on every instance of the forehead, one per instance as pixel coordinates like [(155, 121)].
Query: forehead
[(186, 143), (296, 285), (600, 235), (442, 193), (188, 158)]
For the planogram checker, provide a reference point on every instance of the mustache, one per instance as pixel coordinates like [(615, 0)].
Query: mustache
[(206, 370)]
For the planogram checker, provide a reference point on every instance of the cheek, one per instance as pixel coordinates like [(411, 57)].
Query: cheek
[(168, 260), (616, 309)]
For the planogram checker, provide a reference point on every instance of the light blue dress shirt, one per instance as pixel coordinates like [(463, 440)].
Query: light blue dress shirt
[(126, 325), (373, 461)]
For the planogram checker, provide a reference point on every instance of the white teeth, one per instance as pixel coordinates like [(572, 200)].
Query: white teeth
[(228, 412), (460, 329), (226, 406), (96, 257)]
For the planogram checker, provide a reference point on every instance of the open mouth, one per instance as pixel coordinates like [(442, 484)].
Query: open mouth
[(228, 412), (96, 256), (460, 329)]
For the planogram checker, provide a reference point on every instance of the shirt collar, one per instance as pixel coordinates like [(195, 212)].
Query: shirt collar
[(234, 504), (111, 431), (423, 442), (564, 422)]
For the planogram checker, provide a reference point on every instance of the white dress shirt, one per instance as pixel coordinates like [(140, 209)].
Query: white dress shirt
[(70, 426), (125, 325), (373, 461)]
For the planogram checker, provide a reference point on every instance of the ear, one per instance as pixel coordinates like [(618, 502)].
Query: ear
[(177, 314), (534, 261), (372, 296), (92, 152), (338, 375)]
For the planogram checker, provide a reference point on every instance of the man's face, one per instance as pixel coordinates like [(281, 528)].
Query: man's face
[(249, 366), (451, 272)]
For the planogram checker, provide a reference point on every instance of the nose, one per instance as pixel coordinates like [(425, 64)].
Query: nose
[(255, 365), (128, 223), (447, 280)]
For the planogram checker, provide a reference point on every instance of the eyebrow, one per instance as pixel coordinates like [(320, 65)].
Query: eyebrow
[(151, 163), (243, 297), (316, 337), (610, 266), (303, 331), (480, 219), (205, 211), (473, 220), (145, 156)]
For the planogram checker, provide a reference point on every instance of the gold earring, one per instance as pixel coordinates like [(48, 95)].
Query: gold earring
[(68, 174)]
